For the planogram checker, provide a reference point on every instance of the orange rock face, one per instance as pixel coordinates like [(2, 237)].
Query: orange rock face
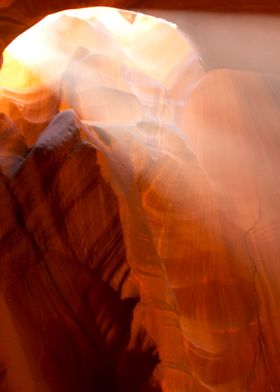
[(139, 206), (67, 294)]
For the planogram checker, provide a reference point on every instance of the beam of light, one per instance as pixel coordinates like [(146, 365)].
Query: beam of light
[(192, 154), (102, 49)]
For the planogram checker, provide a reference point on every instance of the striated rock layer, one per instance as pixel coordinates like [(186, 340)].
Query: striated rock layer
[(139, 212), (67, 292)]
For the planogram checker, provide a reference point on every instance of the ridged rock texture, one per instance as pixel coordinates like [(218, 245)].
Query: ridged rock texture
[(139, 205)]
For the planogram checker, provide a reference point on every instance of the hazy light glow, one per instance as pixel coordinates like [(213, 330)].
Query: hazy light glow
[(103, 55), (191, 149)]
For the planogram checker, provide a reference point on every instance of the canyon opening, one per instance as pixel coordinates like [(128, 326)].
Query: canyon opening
[(140, 202)]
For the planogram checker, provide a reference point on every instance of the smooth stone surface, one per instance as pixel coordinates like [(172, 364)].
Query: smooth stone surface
[(140, 233)]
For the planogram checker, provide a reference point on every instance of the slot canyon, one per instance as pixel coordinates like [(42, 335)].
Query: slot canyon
[(139, 196)]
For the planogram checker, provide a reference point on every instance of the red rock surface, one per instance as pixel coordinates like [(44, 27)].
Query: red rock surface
[(67, 295), (139, 258)]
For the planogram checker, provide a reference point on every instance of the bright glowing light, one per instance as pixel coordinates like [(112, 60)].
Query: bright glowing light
[(91, 54)]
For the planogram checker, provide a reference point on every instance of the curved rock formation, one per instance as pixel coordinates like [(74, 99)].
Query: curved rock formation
[(67, 292), (139, 233)]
